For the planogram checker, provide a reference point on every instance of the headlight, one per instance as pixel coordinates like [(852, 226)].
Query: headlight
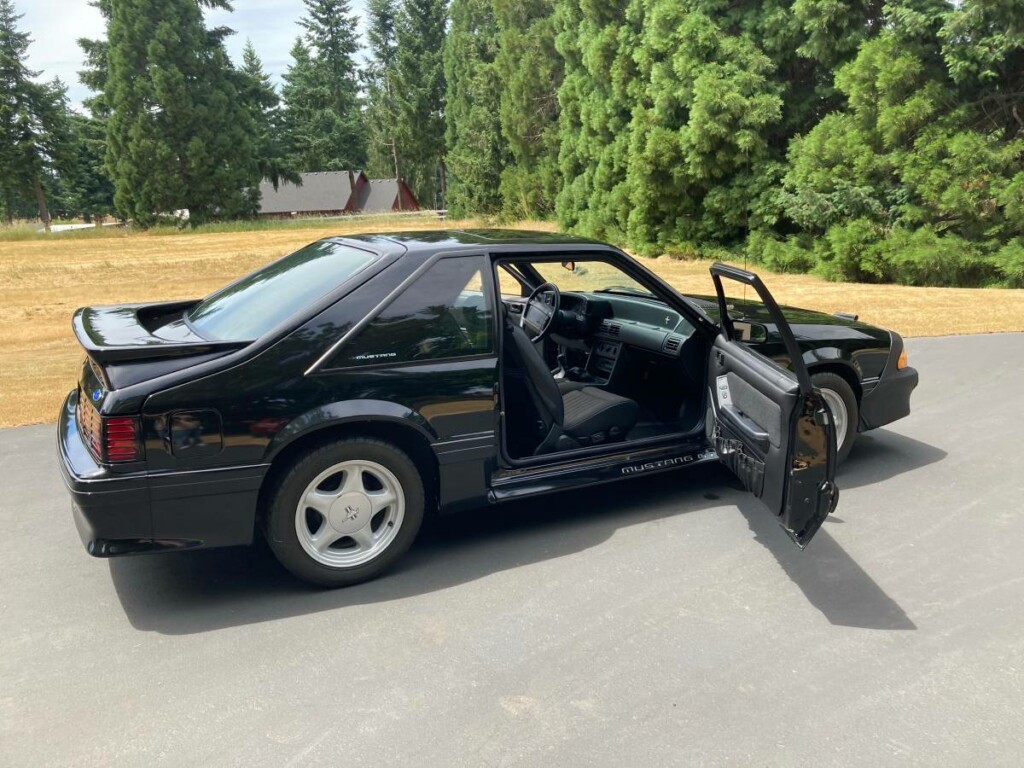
[(902, 362)]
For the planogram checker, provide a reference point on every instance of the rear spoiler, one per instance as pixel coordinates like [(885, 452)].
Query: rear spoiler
[(122, 333)]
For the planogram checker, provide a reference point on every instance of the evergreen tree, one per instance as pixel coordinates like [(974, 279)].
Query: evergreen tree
[(919, 178), (258, 95), (94, 73), (704, 106), (475, 150), (88, 190), (596, 42), (383, 156), (419, 89), (323, 119), (32, 129), (83, 186), (530, 74), (178, 135)]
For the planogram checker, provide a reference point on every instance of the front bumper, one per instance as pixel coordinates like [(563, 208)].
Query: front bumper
[(889, 399), (129, 513)]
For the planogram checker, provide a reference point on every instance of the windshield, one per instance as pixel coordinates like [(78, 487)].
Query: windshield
[(253, 305), (589, 277)]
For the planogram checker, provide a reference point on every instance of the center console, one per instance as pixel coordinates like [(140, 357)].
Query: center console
[(603, 357)]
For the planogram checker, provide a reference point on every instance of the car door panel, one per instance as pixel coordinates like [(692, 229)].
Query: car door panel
[(768, 425)]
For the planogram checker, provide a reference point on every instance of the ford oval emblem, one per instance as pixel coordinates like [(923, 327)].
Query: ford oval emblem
[(97, 394)]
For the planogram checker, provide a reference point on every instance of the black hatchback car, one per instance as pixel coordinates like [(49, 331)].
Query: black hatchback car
[(335, 396)]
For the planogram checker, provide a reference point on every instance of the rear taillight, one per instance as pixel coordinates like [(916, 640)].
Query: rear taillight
[(121, 439)]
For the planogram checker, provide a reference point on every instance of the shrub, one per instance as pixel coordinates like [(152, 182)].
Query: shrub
[(792, 254), (1009, 263)]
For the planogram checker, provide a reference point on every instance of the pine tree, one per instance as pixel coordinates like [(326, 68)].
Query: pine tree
[(530, 73), (94, 73), (85, 190), (596, 43), (323, 118), (178, 135), (475, 150), (419, 90), (260, 98), (383, 155), (32, 129), (705, 103)]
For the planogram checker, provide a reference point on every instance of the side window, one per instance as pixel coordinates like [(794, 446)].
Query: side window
[(445, 313)]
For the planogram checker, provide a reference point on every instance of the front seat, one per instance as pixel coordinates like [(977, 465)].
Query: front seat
[(574, 418)]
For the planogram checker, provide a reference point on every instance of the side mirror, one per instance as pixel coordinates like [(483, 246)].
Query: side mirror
[(754, 333)]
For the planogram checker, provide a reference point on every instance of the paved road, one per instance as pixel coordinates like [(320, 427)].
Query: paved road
[(660, 622)]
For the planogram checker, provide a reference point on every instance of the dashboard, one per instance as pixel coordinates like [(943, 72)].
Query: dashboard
[(620, 332), (611, 319)]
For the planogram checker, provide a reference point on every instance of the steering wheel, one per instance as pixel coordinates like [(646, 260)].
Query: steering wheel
[(540, 310)]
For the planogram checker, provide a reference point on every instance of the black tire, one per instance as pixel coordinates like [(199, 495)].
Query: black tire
[(280, 521), (838, 385)]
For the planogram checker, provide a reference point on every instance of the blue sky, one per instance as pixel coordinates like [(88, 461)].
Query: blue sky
[(55, 25)]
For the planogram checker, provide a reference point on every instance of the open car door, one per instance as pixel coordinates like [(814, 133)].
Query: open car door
[(769, 425)]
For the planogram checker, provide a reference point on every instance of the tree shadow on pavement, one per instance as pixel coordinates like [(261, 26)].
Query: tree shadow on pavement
[(192, 592)]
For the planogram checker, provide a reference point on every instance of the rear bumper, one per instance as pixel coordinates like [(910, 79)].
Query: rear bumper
[(111, 511), (137, 512), (889, 400)]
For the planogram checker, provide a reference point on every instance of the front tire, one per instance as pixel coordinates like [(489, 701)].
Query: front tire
[(345, 512), (842, 404)]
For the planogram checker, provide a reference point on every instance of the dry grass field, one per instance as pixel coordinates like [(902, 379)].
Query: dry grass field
[(43, 280)]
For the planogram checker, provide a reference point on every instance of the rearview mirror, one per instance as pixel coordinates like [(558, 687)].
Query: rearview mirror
[(569, 265)]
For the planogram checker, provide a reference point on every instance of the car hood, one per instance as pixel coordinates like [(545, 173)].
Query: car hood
[(807, 324)]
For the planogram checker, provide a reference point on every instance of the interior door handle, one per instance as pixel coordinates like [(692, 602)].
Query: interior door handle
[(747, 429)]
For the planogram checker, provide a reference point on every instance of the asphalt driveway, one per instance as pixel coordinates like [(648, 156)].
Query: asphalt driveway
[(662, 621)]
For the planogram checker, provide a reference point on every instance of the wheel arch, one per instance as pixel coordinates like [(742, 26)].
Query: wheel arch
[(843, 370), (394, 424)]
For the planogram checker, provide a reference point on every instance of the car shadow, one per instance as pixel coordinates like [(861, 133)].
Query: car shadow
[(194, 592)]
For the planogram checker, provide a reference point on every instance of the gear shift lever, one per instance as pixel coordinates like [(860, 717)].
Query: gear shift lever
[(563, 370)]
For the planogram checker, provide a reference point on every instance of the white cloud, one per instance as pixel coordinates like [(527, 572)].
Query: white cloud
[(56, 25)]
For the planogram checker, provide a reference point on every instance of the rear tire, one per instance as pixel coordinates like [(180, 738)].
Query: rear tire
[(345, 512), (842, 404)]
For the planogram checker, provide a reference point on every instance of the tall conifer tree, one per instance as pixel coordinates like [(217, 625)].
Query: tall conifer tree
[(32, 125), (529, 74), (475, 150), (323, 118), (178, 135), (384, 157), (261, 99), (420, 92)]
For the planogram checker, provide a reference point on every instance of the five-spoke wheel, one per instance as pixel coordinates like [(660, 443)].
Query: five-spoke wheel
[(350, 513), (842, 404), (345, 511)]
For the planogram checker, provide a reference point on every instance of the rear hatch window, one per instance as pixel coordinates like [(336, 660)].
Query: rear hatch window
[(264, 299)]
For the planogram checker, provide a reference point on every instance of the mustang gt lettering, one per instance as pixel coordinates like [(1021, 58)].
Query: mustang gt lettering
[(328, 401)]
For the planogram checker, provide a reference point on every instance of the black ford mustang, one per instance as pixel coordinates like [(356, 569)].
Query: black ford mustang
[(332, 397)]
